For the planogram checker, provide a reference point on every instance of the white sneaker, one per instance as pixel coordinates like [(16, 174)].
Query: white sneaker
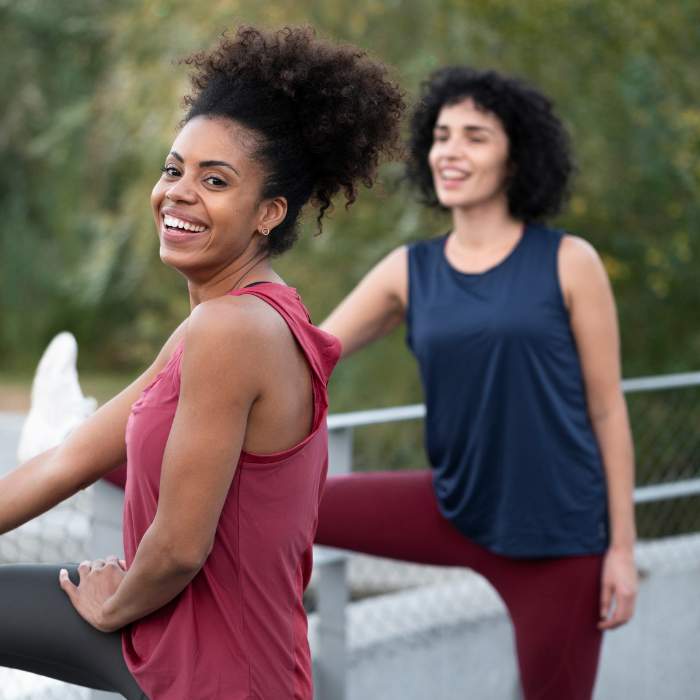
[(58, 404)]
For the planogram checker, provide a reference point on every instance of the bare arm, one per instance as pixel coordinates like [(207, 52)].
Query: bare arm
[(594, 324), (92, 450), (375, 307), (218, 388)]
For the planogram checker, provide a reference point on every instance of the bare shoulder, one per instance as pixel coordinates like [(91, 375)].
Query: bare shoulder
[(579, 263), (230, 344), (398, 256), (396, 262), (392, 273), (235, 322), (386, 283), (578, 255), (581, 271)]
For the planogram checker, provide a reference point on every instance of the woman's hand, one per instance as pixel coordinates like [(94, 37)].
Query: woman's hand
[(99, 580), (619, 588)]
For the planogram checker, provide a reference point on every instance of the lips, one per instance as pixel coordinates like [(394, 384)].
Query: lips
[(452, 182), (453, 175), (177, 227), (173, 222)]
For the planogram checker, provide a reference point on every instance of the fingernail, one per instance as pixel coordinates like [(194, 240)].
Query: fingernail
[(63, 573)]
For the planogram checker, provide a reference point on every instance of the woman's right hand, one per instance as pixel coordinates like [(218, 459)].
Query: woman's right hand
[(375, 307)]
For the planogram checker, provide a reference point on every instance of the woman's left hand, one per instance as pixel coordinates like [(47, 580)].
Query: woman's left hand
[(619, 588), (99, 580)]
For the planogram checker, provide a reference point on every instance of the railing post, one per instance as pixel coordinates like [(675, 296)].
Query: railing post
[(106, 520), (332, 590), (105, 537)]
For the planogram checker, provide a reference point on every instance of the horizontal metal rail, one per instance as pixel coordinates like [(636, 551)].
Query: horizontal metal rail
[(666, 492), (356, 419), (666, 381), (644, 494)]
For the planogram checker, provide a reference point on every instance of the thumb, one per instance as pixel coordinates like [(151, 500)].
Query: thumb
[(606, 599), (67, 585)]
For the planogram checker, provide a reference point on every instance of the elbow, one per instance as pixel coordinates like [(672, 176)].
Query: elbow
[(188, 560), (599, 414), (608, 408), (179, 556)]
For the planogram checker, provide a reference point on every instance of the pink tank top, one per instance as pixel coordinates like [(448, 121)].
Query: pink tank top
[(238, 630)]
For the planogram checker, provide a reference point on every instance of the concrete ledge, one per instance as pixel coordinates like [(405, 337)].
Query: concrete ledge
[(439, 641), (16, 685), (452, 640)]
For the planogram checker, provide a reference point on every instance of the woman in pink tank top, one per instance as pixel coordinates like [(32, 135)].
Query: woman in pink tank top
[(226, 443)]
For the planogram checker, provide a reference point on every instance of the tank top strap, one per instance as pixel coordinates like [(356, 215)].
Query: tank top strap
[(538, 261), (428, 276), (539, 240), (424, 258)]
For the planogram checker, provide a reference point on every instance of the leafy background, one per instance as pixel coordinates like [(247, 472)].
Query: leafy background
[(92, 97)]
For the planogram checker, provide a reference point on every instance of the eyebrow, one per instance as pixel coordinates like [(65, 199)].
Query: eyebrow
[(470, 128), (207, 163)]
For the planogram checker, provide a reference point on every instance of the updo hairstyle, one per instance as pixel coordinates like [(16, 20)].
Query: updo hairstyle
[(322, 115)]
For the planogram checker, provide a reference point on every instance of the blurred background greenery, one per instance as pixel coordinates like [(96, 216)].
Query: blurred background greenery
[(91, 102)]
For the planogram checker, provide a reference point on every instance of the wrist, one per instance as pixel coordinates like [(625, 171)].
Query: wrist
[(623, 534), (626, 548), (109, 619)]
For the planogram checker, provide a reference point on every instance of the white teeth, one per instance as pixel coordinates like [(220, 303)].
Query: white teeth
[(172, 222), (452, 174)]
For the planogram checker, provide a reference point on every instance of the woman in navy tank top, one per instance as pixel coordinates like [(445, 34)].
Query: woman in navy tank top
[(514, 328)]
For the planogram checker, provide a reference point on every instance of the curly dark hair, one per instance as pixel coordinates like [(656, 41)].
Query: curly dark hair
[(323, 115), (539, 146)]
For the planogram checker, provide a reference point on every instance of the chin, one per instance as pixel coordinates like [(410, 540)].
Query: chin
[(453, 200), (171, 258)]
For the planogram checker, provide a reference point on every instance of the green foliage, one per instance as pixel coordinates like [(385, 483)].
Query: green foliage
[(92, 101)]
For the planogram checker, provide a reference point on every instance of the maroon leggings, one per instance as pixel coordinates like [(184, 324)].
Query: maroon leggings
[(553, 603)]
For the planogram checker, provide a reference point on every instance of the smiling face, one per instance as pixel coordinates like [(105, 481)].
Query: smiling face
[(469, 156), (207, 204)]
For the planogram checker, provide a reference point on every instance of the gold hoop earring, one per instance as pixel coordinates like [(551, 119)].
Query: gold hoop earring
[(265, 231)]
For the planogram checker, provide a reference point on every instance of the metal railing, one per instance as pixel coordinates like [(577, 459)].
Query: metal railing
[(332, 589)]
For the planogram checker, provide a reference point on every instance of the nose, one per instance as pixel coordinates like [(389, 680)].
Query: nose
[(443, 151), (180, 191), (450, 149)]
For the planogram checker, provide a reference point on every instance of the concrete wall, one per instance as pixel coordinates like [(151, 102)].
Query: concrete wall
[(452, 640)]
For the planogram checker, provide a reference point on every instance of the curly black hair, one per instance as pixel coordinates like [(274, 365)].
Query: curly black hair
[(539, 147), (323, 115)]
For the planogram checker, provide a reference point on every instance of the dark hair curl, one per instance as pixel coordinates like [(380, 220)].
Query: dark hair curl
[(539, 147), (323, 115)]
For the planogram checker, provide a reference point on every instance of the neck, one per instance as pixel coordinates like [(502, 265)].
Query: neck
[(485, 224), (255, 268)]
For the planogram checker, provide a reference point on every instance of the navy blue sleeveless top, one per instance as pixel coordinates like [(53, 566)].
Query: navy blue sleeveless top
[(516, 466)]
